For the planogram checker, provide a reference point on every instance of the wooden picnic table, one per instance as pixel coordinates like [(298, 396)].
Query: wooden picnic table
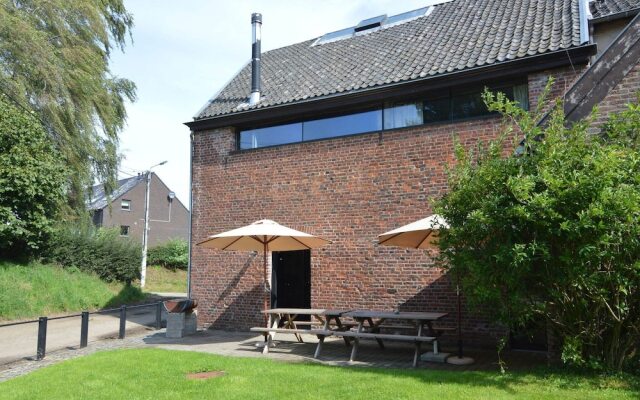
[(283, 320), (370, 322)]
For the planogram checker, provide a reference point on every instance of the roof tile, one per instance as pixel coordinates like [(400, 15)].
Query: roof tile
[(604, 8), (457, 35)]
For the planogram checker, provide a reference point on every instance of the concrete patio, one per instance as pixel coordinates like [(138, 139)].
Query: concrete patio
[(334, 352)]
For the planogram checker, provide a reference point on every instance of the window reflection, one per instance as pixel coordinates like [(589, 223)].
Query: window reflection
[(271, 136), (402, 115), (368, 121)]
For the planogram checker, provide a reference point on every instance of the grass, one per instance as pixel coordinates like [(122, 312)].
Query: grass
[(160, 374), (160, 279), (32, 290)]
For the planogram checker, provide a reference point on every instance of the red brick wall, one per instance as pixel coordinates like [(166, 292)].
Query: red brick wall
[(348, 190), (563, 80), (624, 93)]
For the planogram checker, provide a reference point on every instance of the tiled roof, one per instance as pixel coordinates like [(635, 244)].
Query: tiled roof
[(99, 198), (455, 36), (604, 8)]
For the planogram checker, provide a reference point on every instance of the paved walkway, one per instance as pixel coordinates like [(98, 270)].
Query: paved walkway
[(242, 344), (170, 295), (24, 366), (20, 341)]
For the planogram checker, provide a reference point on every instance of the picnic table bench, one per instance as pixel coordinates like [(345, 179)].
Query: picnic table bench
[(282, 320), (370, 329)]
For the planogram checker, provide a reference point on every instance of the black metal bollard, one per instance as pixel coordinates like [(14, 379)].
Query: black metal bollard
[(123, 321), (159, 315), (84, 329), (42, 338)]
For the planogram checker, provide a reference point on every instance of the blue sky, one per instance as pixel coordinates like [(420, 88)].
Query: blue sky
[(184, 52)]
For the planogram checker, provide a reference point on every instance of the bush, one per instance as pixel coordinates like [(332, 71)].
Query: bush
[(553, 233), (173, 254), (100, 251)]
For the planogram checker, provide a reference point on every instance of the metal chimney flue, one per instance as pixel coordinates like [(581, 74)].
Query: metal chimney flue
[(256, 25)]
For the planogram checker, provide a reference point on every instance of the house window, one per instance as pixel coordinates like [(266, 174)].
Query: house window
[(401, 115), (271, 136), (436, 109), (444, 106), (125, 205), (369, 121), (124, 230)]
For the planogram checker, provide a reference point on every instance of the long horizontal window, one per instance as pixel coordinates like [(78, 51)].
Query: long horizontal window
[(441, 107)]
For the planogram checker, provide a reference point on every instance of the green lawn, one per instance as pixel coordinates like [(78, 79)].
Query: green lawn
[(160, 374), (32, 290), (160, 279)]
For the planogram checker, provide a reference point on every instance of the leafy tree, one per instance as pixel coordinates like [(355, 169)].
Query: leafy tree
[(553, 232), (32, 181), (54, 58)]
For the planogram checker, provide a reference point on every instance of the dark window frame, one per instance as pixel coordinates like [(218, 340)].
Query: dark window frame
[(438, 94), (128, 208), (125, 230)]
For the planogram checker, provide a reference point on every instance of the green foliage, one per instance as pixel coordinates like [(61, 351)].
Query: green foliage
[(32, 178), (161, 374), (553, 233), (32, 290), (172, 254), (99, 251), (55, 60)]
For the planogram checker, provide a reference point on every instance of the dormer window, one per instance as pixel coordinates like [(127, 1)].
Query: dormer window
[(125, 205)]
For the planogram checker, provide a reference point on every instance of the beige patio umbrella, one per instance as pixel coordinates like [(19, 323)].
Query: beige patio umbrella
[(264, 235), (423, 234)]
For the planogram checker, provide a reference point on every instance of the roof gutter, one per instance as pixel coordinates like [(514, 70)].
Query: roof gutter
[(363, 97), (613, 17)]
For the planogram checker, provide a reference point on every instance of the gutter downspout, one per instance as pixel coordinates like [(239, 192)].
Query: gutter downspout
[(190, 213), (585, 14)]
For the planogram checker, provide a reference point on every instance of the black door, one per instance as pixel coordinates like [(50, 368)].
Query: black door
[(291, 280)]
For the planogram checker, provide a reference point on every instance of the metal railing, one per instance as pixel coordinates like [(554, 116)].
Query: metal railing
[(84, 324)]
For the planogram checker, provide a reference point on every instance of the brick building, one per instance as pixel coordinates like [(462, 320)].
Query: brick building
[(350, 137), (124, 210)]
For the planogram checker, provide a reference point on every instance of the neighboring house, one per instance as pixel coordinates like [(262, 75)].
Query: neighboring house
[(124, 209), (351, 135)]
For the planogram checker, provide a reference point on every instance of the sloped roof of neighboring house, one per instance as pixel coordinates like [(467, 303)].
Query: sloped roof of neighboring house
[(605, 8), (454, 36), (99, 198)]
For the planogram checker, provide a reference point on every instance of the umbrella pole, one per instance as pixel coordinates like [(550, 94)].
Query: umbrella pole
[(459, 320), (460, 359), (264, 269)]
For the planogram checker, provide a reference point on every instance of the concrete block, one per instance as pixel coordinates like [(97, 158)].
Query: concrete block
[(431, 357), (180, 325)]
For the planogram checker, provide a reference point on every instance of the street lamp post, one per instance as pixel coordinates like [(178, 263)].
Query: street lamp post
[(145, 233)]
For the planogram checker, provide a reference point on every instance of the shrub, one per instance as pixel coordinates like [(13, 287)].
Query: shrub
[(100, 251), (172, 254), (554, 232)]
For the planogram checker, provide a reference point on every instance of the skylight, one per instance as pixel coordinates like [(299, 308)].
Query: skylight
[(373, 24), (370, 23)]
